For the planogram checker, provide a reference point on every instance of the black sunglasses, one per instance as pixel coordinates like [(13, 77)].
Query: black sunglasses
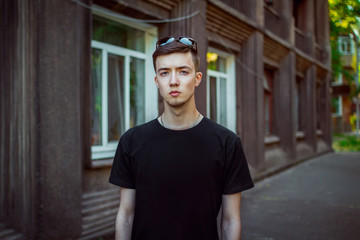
[(184, 40)]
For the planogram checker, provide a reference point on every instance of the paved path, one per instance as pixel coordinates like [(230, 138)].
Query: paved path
[(316, 200)]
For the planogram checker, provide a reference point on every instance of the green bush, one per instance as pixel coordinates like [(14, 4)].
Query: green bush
[(346, 143)]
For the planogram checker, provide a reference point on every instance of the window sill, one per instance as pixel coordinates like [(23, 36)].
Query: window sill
[(319, 133), (299, 31), (299, 135), (338, 84), (272, 11), (100, 163), (271, 139)]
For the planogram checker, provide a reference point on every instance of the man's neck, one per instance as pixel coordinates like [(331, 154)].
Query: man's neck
[(180, 118)]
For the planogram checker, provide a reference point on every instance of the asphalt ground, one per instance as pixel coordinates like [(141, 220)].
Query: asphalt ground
[(318, 199)]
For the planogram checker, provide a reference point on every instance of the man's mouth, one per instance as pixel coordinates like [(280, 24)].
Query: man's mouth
[(174, 93)]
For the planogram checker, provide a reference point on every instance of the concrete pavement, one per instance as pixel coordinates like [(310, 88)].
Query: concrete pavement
[(318, 199)]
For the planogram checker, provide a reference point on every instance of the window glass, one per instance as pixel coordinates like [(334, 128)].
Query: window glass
[(268, 101), (345, 45), (222, 101), (118, 34), (96, 102), (336, 103), (319, 104), (116, 125), (267, 113), (299, 14), (137, 91), (297, 107), (216, 62), (338, 80)]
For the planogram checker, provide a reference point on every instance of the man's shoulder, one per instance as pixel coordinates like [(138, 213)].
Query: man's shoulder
[(140, 129), (218, 129)]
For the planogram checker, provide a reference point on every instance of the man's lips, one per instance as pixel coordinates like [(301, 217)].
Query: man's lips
[(174, 93)]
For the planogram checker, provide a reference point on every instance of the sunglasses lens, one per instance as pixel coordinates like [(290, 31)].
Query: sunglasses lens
[(186, 41), (168, 41)]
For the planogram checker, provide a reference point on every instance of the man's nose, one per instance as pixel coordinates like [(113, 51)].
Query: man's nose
[(174, 81)]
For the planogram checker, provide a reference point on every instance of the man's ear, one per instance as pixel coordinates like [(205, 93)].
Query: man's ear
[(156, 81), (198, 79)]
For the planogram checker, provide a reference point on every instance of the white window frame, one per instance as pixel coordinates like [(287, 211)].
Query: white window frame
[(338, 80), (346, 40), (339, 113), (230, 89), (107, 149)]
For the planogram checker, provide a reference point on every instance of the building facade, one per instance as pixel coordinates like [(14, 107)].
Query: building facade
[(343, 105), (76, 74)]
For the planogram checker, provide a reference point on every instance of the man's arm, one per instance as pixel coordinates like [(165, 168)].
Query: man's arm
[(125, 215), (230, 222)]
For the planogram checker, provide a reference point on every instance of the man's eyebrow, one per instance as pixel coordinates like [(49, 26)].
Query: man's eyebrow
[(182, 67), (163, 68), (177, 68)]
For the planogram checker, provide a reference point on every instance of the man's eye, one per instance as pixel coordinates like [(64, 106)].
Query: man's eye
[(184, 72), (164, 73)]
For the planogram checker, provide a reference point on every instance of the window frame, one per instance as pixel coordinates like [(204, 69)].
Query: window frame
[(346, 40), (339, 113), (299, 104), (107, 149), (230, 77), (268, 91), (268, 106), (299, 15), (338, 80)]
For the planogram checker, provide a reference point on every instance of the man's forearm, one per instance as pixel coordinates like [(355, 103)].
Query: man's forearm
[(230, 230), (123, 226)]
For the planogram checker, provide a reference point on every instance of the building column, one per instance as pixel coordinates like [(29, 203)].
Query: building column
[(250, 99), (18, 130), (326, 126), (63, 50), (284, 110)]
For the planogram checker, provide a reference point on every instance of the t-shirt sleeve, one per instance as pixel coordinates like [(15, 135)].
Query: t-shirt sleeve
[(122, 168), (237, 176)]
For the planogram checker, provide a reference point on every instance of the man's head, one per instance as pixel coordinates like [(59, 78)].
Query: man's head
[(176, 65), (170, 45)]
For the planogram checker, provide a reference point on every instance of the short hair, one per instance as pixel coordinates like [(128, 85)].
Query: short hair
[(176, 47)]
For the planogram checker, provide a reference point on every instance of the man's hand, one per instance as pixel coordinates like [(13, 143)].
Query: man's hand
[(125, 215), (230, 222)]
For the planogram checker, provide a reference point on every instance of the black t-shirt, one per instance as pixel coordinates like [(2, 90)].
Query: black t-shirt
[(179, 177)]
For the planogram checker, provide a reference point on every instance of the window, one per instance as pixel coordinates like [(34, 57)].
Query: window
[(299, 102), (269, 2), (319, 104), (297, 105), (346, 45), (121, 70), (299, 14), (336, 103), (221, 99), (338, 80), (268, 101)]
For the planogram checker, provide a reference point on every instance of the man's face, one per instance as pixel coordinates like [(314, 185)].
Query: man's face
[(176, 78)]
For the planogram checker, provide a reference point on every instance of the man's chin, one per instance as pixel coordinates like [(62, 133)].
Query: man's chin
[(176, 104)]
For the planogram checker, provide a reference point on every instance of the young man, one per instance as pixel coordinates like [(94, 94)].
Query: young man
[(174, 172)]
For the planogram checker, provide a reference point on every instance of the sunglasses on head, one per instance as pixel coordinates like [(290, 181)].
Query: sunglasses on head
[(184, 40)]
